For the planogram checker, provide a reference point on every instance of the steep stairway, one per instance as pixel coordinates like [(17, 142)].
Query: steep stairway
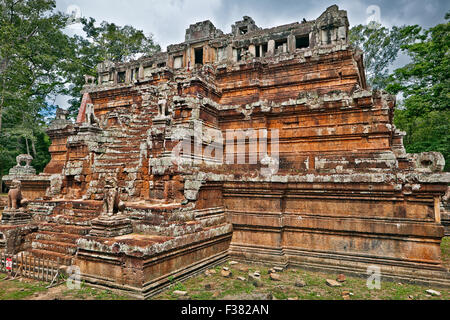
[(60, 226)]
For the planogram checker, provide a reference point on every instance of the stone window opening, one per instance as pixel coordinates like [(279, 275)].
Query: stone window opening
[(121, 77), (135, 74), (198, 52), (281, 46), (302, 42), (243, 30), (261, 50), (161, 65), (2, 236)]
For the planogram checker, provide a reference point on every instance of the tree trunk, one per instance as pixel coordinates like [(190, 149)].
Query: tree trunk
[(2, 100), (33, 147), (28, 148)]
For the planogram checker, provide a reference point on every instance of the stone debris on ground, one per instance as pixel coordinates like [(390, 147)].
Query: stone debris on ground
[(241, 279), (333, 283), (278, 269), (232, 263), (433, 292), (226, 273), (346, 295), (208, 286), (341, 278), (275, 277), (255, 280), (300, 283), (180, 293)]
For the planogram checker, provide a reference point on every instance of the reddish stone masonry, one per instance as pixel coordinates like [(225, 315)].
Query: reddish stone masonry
[(117, 203)]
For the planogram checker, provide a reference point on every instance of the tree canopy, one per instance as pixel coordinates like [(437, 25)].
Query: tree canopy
[(39, 61), (425, 86)]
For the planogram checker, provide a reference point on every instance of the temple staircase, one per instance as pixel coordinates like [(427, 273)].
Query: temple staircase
[(60, 225)]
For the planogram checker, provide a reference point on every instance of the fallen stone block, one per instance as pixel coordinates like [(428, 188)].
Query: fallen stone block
[(300, 283), (180, 293), (433, 292), (226, 273), (333, 283), (275, 277)]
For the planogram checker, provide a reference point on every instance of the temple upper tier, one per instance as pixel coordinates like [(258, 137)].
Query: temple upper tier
[(205, 44)]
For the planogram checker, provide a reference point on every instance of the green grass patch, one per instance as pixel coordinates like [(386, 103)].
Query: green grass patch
[(315, 289), (16, 290)]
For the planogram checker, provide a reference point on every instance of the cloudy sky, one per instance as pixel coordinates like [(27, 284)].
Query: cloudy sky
[(167, 20)]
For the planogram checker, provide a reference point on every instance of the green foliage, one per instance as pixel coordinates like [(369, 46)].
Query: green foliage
[(425, 81), (105, 42), (424, 84), (381, 47), (39, 61), (32, 47)]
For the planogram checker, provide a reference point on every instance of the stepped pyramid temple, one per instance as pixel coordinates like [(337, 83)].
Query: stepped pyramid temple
[(260, 145)]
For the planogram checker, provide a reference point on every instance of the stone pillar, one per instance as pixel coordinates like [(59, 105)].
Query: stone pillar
[(128, 76), (271, 48), (189, 57), (291, 43), (252, 50), (229, 52), (141, 72), (116, 76), (235, 55)]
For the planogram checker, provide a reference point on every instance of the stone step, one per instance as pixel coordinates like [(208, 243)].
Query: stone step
[(56, 236), (75, 230), (71, 220), (64, 259), (55, 246), (82, 213)]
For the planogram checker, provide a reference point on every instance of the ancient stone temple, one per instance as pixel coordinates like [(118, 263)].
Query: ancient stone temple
[(260, 145)]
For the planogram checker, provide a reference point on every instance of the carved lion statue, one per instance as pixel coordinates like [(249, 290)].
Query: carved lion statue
[(24, 158), (111, 200), (15, 200)]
